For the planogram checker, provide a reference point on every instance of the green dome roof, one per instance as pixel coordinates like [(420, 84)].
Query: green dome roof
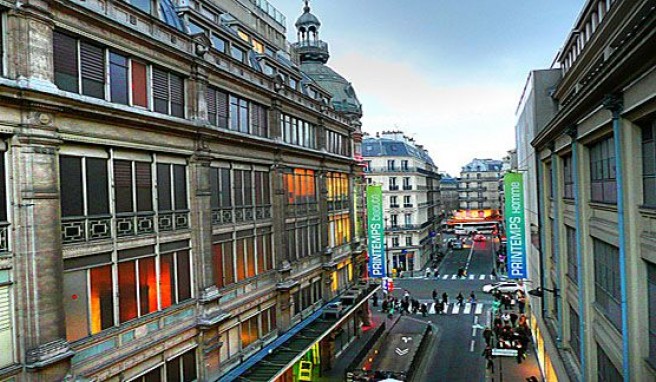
[(343, 95)]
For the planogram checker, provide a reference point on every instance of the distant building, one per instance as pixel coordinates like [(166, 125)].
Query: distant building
[(479, 184), (412, 196), (449, 193)]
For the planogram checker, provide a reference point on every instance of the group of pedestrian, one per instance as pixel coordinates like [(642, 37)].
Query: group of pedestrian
[(510, 329), (405, 305)]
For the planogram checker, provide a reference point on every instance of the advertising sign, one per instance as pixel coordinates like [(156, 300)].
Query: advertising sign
[(515, 225), (376, 232)]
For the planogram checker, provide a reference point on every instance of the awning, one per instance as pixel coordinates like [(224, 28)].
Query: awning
[(274, 359)]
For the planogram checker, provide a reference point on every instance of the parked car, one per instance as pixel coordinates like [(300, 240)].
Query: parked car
[(457, 244), (479, 238), (503, 287)]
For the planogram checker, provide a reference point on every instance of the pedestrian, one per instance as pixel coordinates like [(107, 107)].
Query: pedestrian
[(460, 299), (406, 295), (513, 319), (424, 309), (472, 297), (436, 274), (487, 353), (506, 301), (461, 273), (487, 334), (435, 295), (428, 272), (439, 307), (375, 298), (521, 304), (445, 298)]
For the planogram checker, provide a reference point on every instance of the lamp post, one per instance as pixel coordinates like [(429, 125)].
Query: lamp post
[(387, 259)]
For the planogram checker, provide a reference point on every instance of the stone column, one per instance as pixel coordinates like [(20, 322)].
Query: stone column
[(37, 247), (29, 44), (197, 89)]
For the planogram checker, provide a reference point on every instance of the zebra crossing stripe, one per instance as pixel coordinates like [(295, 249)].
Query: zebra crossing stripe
[(454, 277), (482, 277), (445, 277), (471, 277), (479, 309), (431, 310), (456, 308), (467, 308)]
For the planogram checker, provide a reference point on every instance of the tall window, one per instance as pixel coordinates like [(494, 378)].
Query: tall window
[(297, 131), (168, 93), (337, 143), (90, 294), (394, 220), (394, 203), (408, 241), (300, 186), (406, 183), (84, 198), (606, 370), (407, 201), (649, 165), (408, 219), (241, 256), (572, 253), (575, 333), (340, 229), (247, 332), (651, 297), (607, 281), (3, 29), (392, 184), (404, 165), (133, 188), (603, 187), (4, 221), (302, 238), (337, 184), (568, 178)]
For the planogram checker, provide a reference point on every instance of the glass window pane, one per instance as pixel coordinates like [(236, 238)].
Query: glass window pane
[(139, 83), (217, 260), (118, 78), (189, 366), (250, 253), (70, 180), (180, 177), (127, 290), (164, 187), (184, 276), (147, 285), (101, 299), (123, 185), (144, 183), (144, 5), (228, 263), (173, 370), (97, 184), (167, 280), (241, 266)]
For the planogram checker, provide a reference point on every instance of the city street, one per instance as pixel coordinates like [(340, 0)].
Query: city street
[(455, 353)]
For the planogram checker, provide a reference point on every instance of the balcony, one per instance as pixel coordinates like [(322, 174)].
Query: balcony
[(301, 209), (409, 205), (394, 206), (407, 187), (403, 227), (393, 187), (387, 169), (231, 215)]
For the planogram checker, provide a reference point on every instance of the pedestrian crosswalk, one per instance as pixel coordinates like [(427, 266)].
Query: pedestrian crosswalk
[(455, 277), (454, 308)]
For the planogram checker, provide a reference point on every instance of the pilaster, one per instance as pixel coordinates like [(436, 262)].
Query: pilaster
[(38, 251)]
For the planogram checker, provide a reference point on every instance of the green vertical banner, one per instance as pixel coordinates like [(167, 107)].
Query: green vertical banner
[(376, 232), (513, 187)]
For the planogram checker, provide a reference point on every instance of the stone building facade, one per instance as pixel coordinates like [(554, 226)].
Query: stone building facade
[(177, 192), (595, 162), (478, 184), (411, 193)]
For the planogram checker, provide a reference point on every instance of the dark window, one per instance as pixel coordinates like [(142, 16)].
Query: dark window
[(97, 193), (65, 62), (219, 43), (123, 185), (92, 68), (177, 96), (210, 95), (72, 194), (184, 275), (651, 296), (164, 187), (144, 183), (607, 281), (649, 165), (118, 78), (3, 189), (160, 91), (568, 179), (603, 187), (180, 183), (606, 370), (575, 333), (182, 368), (70, 183), (2, 46), (572, 260)]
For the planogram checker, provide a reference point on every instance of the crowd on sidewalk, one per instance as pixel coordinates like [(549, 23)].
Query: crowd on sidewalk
[(509, 329)]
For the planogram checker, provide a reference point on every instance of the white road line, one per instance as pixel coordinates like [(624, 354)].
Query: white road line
[(445, 277), (431, 310), (471, 277), (467, 308), (454, 277), (479, 308), (475, 320), (456, 308), (471, 346), (474, 332), (482, 277)]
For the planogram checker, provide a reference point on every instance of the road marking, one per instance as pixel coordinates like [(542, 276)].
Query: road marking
[(471, 251), (482, 277), (471, 346), (445, 277), (467, 308), (454, 277), (475, 320), (474, 332), (456, 308), (471, 277), (479, 309), (432, 310)]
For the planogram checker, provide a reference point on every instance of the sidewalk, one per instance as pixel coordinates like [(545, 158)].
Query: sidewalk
[(507, 369), (336, 374)]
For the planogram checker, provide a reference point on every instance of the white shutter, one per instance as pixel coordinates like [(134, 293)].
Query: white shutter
[(6, 335)]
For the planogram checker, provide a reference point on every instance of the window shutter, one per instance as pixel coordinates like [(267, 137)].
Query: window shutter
[(222, 108), (97, 184), (161, 90), (211, 105), (70, 183), (180, 184), (177, 95), (65, 62), (144, 182), (6, 336), (139, 83), (123, 185), (92, 62)]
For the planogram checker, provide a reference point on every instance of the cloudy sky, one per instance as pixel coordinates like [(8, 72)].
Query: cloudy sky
[(447, 72)]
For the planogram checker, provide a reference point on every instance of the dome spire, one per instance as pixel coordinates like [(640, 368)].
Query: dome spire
[(306, 8)]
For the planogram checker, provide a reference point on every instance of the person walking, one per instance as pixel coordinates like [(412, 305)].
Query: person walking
[(487, 334), (428, 272), (436, 273), (435, 295), (460, 298), (445, 298), (424, 309), (472, 297), (487, 353), (513, 319), (375, 298)]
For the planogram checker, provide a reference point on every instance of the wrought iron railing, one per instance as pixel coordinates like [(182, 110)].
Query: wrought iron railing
[(233, 215), (86, 228), (131, 224), (173, 220)]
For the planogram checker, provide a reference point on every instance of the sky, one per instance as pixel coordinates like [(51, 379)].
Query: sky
[(449, 73)]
